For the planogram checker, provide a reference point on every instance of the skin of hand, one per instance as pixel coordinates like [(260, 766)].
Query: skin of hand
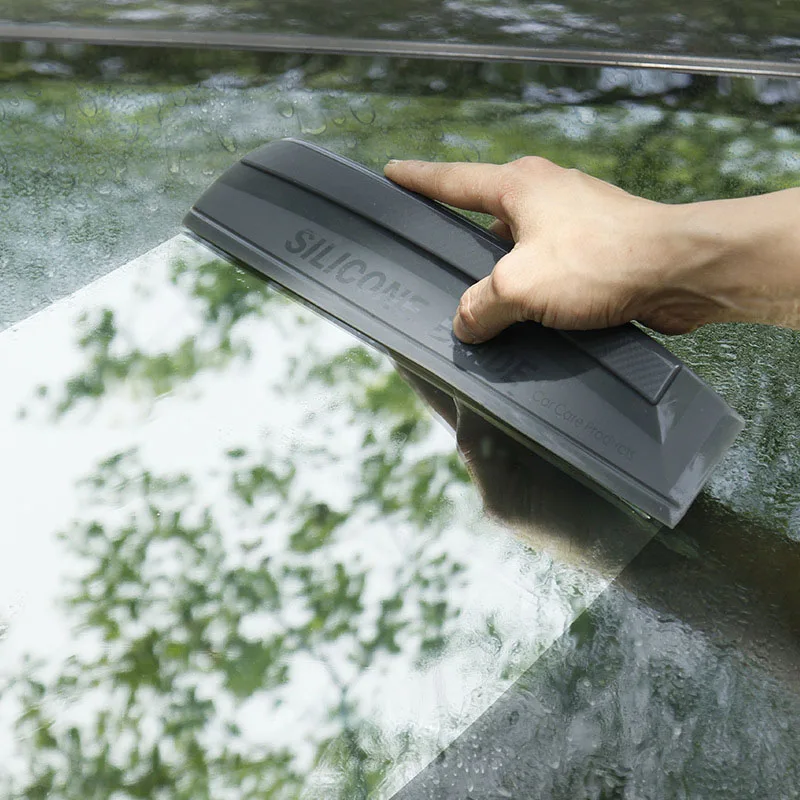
[(589, 255)]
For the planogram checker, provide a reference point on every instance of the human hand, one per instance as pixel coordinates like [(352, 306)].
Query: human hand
[(589, 255)]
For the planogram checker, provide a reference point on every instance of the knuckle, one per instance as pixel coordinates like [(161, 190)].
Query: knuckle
[(504, 285), (575, 174), (509, 193), (443, 177), (516, 180), (535, 167), (532, 163)]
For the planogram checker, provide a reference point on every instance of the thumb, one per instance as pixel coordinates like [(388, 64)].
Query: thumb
[(492, 304)]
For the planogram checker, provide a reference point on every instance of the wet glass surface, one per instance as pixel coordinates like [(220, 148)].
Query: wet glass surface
[(248, 558), (262, 529), (741, 29)]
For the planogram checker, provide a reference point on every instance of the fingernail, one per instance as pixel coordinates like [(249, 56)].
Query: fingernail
[(462, 332), (394, 161)]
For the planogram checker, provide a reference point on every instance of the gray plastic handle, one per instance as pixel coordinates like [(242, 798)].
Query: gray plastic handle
[(635, 358)]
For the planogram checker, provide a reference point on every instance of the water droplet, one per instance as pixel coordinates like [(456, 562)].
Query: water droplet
[(470, 153), (286, 109), (363, 111), (312, 121), (228, 142), (88, 108), (180, 99), (130, 133)]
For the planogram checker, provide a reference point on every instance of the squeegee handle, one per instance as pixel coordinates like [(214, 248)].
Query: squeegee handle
[(626, 351)]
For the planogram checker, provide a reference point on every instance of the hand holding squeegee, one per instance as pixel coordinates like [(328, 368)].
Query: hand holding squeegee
[(612, 407)]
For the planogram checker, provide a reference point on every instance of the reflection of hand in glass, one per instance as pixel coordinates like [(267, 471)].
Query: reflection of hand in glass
[(718, 571), (590, 255), (522, 489)]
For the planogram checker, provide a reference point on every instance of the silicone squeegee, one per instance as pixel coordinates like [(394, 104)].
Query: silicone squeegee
[(613, 407)]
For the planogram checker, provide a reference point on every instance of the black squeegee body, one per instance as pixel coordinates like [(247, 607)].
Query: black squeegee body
[(614, 407)]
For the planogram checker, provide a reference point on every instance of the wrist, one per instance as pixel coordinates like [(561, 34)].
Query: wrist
[(682, 287), (756, 268), (732, 260), (711, 257)]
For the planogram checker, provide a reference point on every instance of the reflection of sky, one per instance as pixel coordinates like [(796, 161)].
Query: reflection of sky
[(253, 404)]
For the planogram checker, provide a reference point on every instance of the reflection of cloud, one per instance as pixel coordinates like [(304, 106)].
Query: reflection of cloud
[(641, 82)]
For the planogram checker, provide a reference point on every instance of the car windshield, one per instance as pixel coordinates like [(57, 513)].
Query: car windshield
[(245, 555)]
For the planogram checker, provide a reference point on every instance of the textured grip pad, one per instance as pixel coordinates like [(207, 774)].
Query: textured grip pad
[(641, 363)]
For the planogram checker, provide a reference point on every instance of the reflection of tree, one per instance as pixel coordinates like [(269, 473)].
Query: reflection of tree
[(224, 297), (166, 595)]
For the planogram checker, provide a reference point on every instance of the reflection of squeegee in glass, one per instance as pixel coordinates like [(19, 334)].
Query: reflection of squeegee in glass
[(611, 406)]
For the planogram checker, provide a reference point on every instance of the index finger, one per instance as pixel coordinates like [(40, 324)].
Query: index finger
[(475, 187)]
